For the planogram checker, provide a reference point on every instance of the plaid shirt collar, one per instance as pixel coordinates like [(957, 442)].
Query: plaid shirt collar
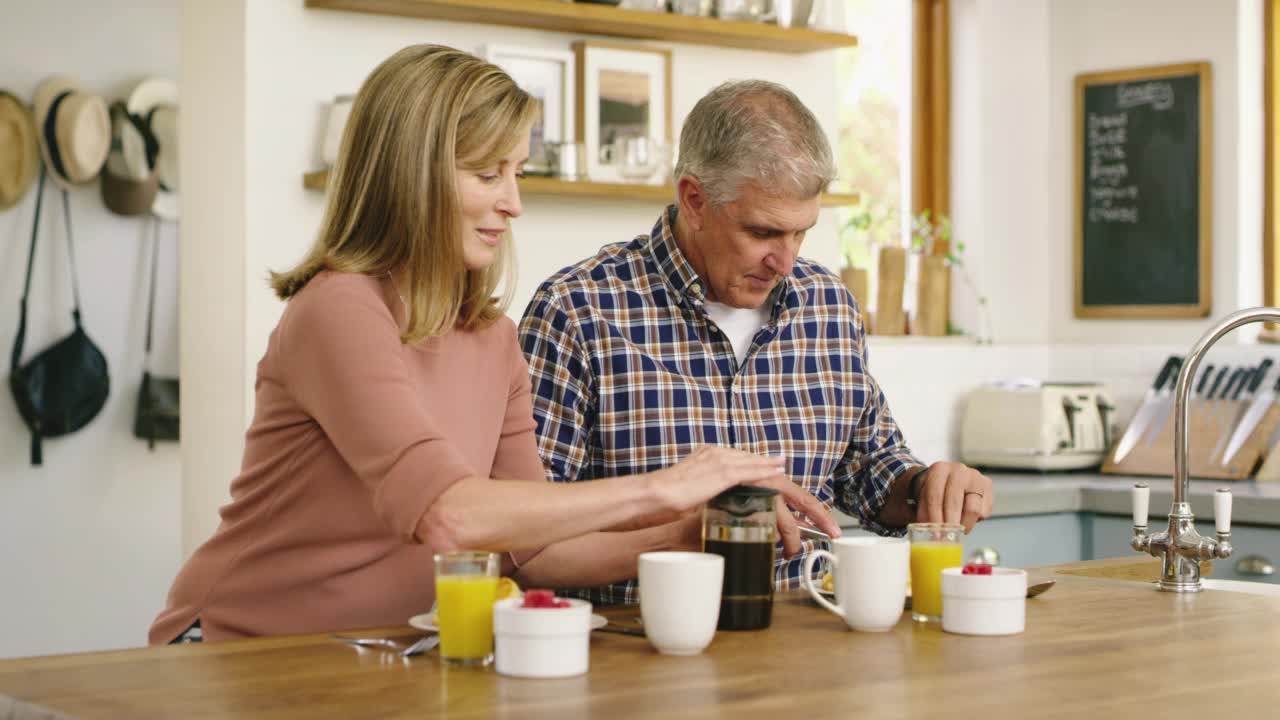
[(685, 284)]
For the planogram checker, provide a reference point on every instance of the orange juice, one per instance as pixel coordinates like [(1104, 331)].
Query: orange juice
[(928, 560), (464, 615)]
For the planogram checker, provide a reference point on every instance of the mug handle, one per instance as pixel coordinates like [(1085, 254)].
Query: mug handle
[(807, 579)]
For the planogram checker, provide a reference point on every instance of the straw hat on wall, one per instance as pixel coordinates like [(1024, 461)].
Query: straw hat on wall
[(155, 101), (19, 158), (74, 129)]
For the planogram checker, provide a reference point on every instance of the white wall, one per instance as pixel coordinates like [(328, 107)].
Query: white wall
[(1000, 163), (89, 540), (1096, 35)]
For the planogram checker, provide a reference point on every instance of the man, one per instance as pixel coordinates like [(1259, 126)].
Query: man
[(711, 330)]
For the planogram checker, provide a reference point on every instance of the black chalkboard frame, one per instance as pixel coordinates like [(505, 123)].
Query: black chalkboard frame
[(1204, 290)]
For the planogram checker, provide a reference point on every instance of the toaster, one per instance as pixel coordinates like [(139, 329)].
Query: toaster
[(1036, 425)]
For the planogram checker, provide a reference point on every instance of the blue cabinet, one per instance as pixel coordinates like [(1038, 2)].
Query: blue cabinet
[(1028, 540)]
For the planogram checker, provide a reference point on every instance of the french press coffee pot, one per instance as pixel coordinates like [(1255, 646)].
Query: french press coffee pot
[(740, 524)]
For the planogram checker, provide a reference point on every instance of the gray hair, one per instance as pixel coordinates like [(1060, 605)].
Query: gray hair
[(754, 131)]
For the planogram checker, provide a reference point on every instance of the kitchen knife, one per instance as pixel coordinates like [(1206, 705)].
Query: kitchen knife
[(1163, 409), (1216, 422), (1150, 403), (1158, 423), (1257, 409), (1234, 414), (1212, 415)]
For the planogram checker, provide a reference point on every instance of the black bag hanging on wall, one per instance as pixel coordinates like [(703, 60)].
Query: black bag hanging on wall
[(157, 416), (64, 387)]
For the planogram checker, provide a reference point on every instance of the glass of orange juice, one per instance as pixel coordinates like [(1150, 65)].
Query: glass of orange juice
[(934, 547), (466, 588)]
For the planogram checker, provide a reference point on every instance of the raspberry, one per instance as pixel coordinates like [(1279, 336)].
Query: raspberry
[(976, 569), (543, 598)]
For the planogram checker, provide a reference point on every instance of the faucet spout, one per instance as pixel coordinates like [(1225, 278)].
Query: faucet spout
[(1180, 547), (1182, 390)]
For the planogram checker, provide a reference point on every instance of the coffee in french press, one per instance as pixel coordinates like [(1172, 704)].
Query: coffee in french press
[(740, 525)]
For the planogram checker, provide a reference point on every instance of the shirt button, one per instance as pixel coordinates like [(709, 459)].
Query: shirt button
[(696, 289)]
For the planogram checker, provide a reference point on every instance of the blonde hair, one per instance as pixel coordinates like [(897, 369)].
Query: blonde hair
[(393, 201), (754, 131)]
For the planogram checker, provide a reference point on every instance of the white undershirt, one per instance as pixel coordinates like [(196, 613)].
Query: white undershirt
[(739, 325)]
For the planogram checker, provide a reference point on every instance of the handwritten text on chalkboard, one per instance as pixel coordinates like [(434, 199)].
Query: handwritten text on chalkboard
[(1113, 197)]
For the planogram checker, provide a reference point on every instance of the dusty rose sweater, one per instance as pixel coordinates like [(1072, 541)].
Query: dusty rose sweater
[(353, 436)]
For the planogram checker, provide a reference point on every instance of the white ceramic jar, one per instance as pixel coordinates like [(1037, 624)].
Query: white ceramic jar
[(541, 642), (994, 604)]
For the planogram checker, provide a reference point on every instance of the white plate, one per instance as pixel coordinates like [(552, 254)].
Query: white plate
[(427, 621)]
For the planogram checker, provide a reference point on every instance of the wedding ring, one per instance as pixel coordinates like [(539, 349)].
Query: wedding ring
[(973, 492)]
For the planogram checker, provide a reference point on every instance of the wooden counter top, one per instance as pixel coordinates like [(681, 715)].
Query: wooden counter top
[(1094, 647)]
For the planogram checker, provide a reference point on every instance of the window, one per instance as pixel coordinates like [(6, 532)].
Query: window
[(894, 135), (873, 142)]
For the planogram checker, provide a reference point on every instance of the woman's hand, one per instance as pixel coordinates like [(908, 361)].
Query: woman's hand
[(701, 475), (709, 471)]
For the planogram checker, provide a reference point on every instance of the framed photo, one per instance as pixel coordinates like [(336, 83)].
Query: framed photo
[(623, 91), (548, 75)]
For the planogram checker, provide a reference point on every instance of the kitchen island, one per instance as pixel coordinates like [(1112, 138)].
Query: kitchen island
[(1095, 646)]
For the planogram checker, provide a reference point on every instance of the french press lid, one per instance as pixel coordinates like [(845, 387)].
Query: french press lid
[(742, 500)]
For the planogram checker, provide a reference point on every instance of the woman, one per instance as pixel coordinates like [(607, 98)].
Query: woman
[(392, 414)]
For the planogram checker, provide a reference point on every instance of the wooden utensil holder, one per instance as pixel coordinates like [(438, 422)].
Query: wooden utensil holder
[(1205, 424)]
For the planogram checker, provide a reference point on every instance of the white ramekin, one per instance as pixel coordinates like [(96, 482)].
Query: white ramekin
[(994, 604), (541, 642)]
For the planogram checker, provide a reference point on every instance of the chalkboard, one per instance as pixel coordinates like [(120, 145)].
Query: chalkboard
[(1143, 164)]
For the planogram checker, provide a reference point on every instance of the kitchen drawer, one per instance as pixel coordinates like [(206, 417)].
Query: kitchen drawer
[(1111, 539)]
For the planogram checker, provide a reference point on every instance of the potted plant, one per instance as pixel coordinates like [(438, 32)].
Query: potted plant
[(933, 275), (933, 278), (872, 227)]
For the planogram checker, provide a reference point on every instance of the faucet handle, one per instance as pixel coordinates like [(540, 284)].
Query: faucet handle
[(1222, 511), (1141, 503)]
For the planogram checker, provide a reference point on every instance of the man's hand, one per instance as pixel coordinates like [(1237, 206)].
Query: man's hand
[(955, 493), (788, 527)]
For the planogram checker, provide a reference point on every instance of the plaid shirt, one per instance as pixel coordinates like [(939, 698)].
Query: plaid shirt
[(630, 375)]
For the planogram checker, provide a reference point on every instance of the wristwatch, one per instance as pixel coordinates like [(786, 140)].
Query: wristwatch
[(913, 489)]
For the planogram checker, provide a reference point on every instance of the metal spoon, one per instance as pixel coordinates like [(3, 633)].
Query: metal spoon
[(1038, 588), (419, 647)]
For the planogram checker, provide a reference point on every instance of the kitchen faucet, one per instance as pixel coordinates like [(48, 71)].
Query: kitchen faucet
[(1180, 547)]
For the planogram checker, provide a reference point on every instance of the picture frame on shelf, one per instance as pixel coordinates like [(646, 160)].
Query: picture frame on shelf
[(549, 76), (624, 91)]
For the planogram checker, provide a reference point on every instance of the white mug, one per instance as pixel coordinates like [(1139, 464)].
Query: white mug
[(870, 578), (680, 600)]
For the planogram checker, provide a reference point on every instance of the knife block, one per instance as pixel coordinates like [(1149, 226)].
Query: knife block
[(1206, 422)]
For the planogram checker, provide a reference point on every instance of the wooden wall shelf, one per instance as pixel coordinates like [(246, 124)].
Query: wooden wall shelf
[(534, 185), (604, 20)]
